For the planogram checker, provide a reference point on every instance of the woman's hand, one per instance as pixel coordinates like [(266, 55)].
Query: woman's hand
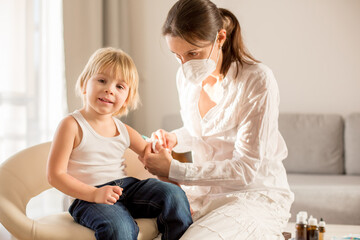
[(166, 139), (157, 163), (107, 194)]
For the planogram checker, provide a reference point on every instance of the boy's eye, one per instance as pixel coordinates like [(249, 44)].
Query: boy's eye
[(120, 86), (101, 81)]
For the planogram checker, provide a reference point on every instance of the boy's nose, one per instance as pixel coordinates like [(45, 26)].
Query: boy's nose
[(109, 91)]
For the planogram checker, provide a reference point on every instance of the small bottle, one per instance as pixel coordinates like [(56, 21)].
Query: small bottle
[(321, 229), (312, 229), (301, 227), (304, 213)]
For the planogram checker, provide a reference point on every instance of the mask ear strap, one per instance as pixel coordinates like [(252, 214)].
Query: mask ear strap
[(213, 46), (218, 54)]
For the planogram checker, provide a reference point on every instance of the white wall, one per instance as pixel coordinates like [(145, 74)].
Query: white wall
[(156, 65), (312, 47), (82, 36)]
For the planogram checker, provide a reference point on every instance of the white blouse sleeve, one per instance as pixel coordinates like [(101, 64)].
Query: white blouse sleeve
[(257, 115), (184, 140)]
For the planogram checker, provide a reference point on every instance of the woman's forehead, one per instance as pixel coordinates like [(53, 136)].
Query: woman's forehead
[(180, 46)]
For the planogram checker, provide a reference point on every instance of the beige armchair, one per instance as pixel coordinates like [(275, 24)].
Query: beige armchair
[(23, 177)]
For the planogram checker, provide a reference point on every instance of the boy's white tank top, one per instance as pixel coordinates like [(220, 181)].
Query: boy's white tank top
[(97, 159)]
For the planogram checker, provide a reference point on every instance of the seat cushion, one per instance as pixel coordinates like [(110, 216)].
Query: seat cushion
[(314, 141), (66, 228), (336, 198)]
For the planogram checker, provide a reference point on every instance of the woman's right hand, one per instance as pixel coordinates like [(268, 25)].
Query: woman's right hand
[(166, 139), (107, 194)]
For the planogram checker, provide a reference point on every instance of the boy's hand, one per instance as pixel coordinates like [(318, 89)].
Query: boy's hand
[(107, 194)]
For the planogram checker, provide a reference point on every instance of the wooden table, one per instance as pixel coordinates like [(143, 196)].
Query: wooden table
[(331, 230)]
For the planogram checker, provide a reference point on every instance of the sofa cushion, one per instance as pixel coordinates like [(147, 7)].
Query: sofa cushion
[(314, 141), (352, 144), (332, 197)]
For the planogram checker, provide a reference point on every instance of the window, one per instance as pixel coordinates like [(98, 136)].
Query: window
[(32, 89)]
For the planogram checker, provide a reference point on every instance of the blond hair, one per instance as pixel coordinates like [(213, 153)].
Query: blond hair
[(120, 65)]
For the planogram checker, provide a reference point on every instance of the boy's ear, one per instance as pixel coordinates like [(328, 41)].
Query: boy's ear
[(126, 102), (83, 87)]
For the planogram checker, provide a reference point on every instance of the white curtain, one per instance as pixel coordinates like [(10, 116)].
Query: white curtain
[(32, 89)]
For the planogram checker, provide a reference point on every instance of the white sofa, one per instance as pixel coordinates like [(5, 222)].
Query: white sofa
[(323, 165)]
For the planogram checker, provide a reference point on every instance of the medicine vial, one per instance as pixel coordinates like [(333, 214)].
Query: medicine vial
[(301, 226), (321, 229), (312, 229)]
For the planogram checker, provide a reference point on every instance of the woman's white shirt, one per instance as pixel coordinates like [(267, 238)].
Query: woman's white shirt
[(236, 146)]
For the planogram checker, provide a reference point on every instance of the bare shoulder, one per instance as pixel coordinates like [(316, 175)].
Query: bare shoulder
[(69, 123), (68, 131)]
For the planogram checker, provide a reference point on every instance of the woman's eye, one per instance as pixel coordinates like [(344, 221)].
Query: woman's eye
[(101, 81), (193, 54)]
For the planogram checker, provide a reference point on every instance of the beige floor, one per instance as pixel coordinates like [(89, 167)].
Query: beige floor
[(331, 230)]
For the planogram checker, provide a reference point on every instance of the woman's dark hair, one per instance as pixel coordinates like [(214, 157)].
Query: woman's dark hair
[(194, 20)]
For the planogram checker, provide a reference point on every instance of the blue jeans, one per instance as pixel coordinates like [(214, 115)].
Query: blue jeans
[(150, 198)]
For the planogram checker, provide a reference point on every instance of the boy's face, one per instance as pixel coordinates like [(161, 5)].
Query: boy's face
[(106, 94)]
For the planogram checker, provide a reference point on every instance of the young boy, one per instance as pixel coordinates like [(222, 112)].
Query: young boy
[(85, 160)]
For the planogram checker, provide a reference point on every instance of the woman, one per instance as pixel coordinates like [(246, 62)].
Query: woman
[(236, 184)]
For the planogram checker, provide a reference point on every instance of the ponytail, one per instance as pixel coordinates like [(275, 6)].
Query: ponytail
[(234, 49)]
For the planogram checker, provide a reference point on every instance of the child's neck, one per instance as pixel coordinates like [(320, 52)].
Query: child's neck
[(104, 125)]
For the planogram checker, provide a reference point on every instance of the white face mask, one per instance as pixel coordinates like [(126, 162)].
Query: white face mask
[(197, 70)]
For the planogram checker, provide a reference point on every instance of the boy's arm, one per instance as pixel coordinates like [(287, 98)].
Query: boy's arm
[(137, 143), (57, 164), (59, 155)]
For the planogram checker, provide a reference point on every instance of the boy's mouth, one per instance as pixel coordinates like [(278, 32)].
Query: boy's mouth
[(105, 100)]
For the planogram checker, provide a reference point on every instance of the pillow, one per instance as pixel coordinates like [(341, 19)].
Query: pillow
[(352, 144), (315, 143)]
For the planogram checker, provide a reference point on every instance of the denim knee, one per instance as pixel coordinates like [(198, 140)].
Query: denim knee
[(174, 194), (118, 230), (175, 217)]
